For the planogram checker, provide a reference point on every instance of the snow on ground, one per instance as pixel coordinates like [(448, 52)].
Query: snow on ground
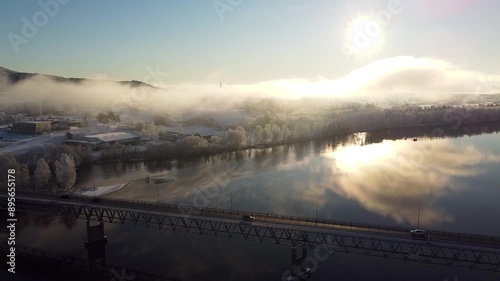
[(21, 143), (100, 190), (24, 146), (223, 116), (200, 129)]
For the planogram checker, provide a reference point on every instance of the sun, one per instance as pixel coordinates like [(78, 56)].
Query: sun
[(364, 38)]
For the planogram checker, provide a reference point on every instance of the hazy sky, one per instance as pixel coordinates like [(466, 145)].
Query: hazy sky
[(257, 40)]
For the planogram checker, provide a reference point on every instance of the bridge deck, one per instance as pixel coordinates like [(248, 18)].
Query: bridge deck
[(465, 250)]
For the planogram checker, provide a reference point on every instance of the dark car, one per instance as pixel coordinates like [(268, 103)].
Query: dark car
[(65, 196), (247, 218), (96, 199)]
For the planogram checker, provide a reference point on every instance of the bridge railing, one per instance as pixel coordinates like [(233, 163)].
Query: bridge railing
[(193, 210)]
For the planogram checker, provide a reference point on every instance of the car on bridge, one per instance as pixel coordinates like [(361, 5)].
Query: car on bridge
[(64, 196), (248, 218), (96, 199), (418, 233)]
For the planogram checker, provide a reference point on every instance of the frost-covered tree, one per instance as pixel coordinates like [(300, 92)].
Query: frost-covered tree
[(268, 134), (285, 132), (277, 135), (258, 135), (7, 162), (231, 137), (161, 119), (241, 135), (319, 129), (23, 177), (301, 131), (151, 130), (192, 142), (216, 141), (139, 126), (66, 171), (237, 137), (42, 173)]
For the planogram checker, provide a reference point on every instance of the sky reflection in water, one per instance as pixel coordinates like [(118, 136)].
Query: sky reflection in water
[(383, 183), (395, 178)]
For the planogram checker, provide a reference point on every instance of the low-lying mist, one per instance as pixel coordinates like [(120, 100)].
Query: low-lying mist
[(425, 78)]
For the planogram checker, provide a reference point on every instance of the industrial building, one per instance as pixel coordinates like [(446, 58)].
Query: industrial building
[(107, 138), (31, 127), (112, 138), (65, 124)]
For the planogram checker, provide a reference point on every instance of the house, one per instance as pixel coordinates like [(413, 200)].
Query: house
[(72, 135), (31, 127), (172, 136)]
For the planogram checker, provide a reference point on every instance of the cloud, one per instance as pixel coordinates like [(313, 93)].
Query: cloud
[(425, 77), (395, 178)]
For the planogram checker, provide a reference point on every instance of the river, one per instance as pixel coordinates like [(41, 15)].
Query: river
[(375, 177)]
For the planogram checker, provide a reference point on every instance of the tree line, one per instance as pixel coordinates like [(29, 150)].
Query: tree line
[(52, 165), (46, 167), (275, 129)]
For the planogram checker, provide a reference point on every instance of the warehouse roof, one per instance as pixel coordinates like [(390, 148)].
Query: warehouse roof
[(107, 137)]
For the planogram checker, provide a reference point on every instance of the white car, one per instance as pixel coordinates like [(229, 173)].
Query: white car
[(418, 232), (248, 218)]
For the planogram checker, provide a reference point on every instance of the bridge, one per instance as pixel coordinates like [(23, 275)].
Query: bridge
[(443, 248)]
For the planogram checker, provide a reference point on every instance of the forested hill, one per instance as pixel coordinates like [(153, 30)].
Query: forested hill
[(10, 77)]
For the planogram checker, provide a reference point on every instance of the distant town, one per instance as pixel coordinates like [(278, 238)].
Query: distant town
[(96, 133)]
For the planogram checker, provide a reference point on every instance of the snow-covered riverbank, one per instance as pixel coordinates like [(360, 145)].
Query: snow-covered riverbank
[(100, 190)]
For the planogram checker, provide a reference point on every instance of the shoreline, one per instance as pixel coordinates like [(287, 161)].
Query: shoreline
[(100, 190), (210, 152)]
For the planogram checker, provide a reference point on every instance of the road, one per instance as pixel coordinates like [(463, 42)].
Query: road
[(36, 141), (269, 220)]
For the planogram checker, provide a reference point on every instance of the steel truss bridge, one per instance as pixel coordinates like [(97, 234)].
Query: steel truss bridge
[(442, 248)]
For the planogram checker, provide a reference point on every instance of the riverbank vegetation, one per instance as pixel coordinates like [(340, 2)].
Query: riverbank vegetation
[(53, 165), (48, 166)]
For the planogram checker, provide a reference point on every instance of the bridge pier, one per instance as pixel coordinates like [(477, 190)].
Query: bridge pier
[(299, 270), (96, 242)]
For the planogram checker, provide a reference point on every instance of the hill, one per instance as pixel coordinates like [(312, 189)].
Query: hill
[(12, 77)]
